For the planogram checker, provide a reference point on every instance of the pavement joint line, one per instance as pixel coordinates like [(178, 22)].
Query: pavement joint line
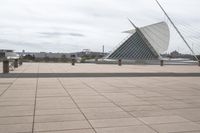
[(62, 130), (35, 102), (58, 114), (69, 95), (11, 83), (114, 81), (60, 121), (5, 83), (195, 131), (173, 122), (173, 98), (76, 105), (15, 105), (134, 95), (156, 105), (119, 106), (120, 126), (16, 124), (147, 100), (15, 116), (7, 88), (55, 108)]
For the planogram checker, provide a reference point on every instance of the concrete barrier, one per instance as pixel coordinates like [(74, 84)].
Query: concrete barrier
[(5, 66), (96, 60), (16, 63), (73, 62), (20, 62), (161, 62), (119, 62)]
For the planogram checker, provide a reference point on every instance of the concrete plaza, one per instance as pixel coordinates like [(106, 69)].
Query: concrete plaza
[(38, 98)]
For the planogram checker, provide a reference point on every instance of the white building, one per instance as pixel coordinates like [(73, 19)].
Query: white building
[(146, 43)]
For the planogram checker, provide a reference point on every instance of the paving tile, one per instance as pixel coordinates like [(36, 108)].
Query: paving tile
[(163, 119), (106, 115), (16, 128), (190, 132), (149, 113), (131, 103), (17, 103), (57, 111), (176, 127), (115, 122), (56, 106), (141, 108), (95, 105), (15, 108), (16, 120), (101, 110), (190, 114), (13, 112), (59, 118), (16, 99), (91, 100), (129, 129), (176, 106), (55, 126), (71, 131)]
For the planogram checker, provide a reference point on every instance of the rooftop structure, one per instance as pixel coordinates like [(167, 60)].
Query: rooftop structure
[(144, 43)]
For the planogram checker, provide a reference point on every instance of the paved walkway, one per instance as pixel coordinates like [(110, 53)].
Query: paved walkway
[(100, 104)]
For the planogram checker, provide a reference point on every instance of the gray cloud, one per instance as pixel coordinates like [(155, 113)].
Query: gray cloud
[(55, 34), (76, 34)]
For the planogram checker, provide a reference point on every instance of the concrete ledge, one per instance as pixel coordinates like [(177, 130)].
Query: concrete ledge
[(86, 75)]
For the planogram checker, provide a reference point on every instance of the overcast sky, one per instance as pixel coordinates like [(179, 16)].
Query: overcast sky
[(73, 25)]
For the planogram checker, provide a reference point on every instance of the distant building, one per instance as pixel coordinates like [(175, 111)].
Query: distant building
[(88, 52), (45, 54), (175, 54), (51, 55)]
